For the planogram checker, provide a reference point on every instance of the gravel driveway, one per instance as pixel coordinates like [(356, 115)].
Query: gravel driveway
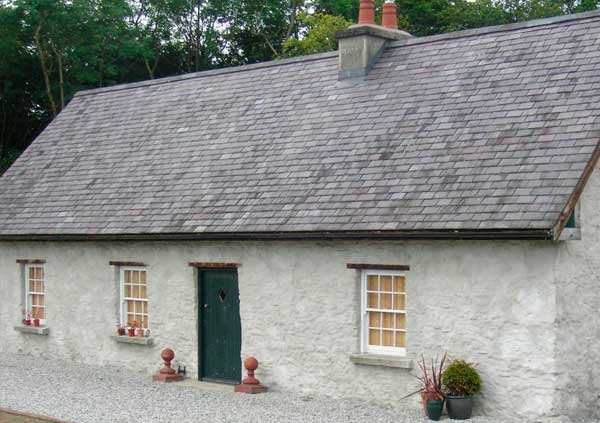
[(83, 394)]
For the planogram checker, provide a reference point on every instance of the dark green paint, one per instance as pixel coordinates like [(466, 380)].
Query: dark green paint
[(220, 329), (571, 221)]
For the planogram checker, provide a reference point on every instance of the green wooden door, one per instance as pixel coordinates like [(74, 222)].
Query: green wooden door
[(220, 329)]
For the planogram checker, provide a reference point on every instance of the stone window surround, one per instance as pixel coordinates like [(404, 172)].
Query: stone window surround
[(135, 340), (369, 358), (32, 330)]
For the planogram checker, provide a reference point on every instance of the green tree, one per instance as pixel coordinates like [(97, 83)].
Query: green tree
[(318, 34)]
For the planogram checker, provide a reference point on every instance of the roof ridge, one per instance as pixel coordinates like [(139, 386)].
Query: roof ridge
[(473, 32), (313, 57), (211, 72)]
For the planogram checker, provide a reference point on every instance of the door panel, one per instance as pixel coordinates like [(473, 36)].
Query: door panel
[(220, 337)]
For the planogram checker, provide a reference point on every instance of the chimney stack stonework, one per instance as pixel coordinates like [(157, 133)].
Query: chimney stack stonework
[(361, 45)]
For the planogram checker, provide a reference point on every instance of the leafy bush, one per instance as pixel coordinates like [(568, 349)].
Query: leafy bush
[(461, 378)]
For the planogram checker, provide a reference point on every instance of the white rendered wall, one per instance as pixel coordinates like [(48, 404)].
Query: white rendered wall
[(493, 303), (578, 301)]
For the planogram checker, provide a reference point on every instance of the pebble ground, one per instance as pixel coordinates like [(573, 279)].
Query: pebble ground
[(88, 394)]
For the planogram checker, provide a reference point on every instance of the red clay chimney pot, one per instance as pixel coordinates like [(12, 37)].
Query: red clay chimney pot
[(389, 19), (366, 12)]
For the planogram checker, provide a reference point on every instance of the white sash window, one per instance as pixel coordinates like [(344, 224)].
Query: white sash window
[(383, 312)]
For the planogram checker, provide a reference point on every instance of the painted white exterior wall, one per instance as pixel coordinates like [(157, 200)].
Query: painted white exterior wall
[(577, 273), (493, 303)]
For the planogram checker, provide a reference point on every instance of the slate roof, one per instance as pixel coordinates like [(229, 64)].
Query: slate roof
[(486, 130)]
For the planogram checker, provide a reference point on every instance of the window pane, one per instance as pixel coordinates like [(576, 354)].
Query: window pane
[(388, 338), (385, 283), (373, 301), (37, 312), (399, 302), (31, 285), (130, 307), (32, 273), (400, 339), (386, 301), (136, 291), (374, 319), (399, 284), (127, 276), (143, 292), (143, 278), (145, 322), (144, 307), (128, 290), (388, 320), (130, 319), (400, 321), (374, 337), (138, 307), (136, 277), (372, 285)]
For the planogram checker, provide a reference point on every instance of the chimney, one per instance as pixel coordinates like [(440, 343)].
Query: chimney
[(389, 19), (361, 45), (366, 12)]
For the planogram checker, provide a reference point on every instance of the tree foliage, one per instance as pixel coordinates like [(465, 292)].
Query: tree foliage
[(318, 34), (50, 49)]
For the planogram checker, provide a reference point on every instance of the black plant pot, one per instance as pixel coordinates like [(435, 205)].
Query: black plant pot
[(434, 409), (459, 408)]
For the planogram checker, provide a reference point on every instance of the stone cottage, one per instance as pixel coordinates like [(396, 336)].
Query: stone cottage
[(335, 216)]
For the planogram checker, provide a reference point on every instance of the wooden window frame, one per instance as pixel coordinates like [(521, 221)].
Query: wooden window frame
[(123, 300), (364, 315), (28, 306)]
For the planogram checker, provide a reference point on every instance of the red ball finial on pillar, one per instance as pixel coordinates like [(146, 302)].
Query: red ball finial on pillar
[(167, 374), (250, 385), (366, 12)]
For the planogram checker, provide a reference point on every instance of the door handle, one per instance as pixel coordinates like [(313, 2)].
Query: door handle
[(206, 306)]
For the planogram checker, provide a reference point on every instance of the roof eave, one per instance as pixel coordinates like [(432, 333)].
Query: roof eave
[(491, 234)]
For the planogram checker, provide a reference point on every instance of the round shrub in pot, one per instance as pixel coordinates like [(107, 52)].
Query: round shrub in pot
[(461, 382)]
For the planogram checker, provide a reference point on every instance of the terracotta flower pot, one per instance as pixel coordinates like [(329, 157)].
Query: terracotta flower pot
[(140, 332), (36, 323), (121, 331)]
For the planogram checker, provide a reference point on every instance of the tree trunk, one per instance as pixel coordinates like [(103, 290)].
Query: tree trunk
[(149, 68), (45, 73), (61, 80)]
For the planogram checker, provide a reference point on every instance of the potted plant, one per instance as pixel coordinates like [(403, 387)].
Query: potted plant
[(140, 331), (36, 322), (432, 395), (461, 381), (27, 320), (120, 329), (131, 329)]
